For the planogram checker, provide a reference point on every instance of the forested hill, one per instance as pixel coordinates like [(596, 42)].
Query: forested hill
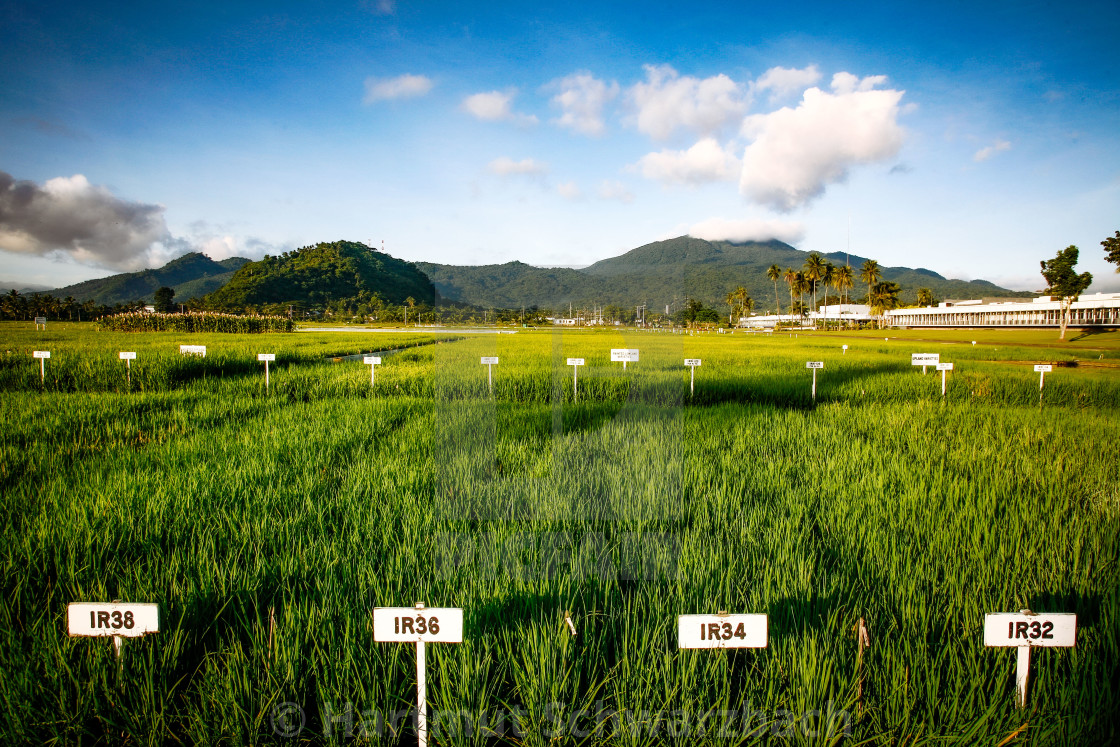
[(326, 273), (667, 272), (192, 275)]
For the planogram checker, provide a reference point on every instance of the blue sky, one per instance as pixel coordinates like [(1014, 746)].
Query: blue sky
[(975, 140)]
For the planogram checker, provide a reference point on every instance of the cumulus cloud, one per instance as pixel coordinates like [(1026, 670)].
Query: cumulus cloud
[(87, 222), (987, 152), (402, 87), (506, 166), (496, 106), (796, 153), (581, 100), (615, 190), (706, 161), (569, 191), (787, 81), (722, 229), (667, 102)]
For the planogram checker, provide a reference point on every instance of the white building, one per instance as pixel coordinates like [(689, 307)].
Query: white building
[(1091, 310), (848, 312)]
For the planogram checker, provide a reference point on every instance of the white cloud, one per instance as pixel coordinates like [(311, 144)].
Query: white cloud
[(401, 87), (666, 102), (496, 106), (615, 190), (797, 153), (721, 229), (87, 222), (582, 98), (569, 191), (987, 152), (506, 166), (787, 81), (706, 161)]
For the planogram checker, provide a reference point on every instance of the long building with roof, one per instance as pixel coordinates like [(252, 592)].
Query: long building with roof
[(1091, 310)]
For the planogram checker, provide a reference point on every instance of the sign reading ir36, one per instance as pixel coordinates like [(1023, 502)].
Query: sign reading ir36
[(408, 624)]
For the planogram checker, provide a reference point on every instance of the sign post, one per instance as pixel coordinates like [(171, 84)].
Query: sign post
[(40, 321), (193, 350), (490, 361), (266, 357), (944, 368), (128, 358), (814, 365), (373, 361), (419, 625), (845, 349), (117, 619), (575, 363), (626, 355), (42, 355), (1026, 630), (1042, 369), (925, 359), (722, 631), (692, 363)]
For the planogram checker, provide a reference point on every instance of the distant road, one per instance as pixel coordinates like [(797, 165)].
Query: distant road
[(433, 330)]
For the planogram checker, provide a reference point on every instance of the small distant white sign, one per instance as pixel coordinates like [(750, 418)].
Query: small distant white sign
[(624, 355), (722, 631), (127, 356), (843, 347), (1043, 368), (692, 361), (408, 624), (1018, 629), (266, 356), (489, 360), (944, 366), (193, 350), (115, 618), (372, 360), (41, 320), (576, 362), (925, 359), (814, 364), (41, 354)]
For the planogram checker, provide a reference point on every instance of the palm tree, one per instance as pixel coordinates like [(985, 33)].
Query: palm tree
[(843, 281), (746, 303), (827, 278), (775, 273), (925, 297), (732, 300), (884, 297), (814, 271), (870, 274), (790, 276), (801, 284), (800, 309), (411, 302)]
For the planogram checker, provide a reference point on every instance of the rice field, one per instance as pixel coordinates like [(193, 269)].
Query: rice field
[(268, 524)]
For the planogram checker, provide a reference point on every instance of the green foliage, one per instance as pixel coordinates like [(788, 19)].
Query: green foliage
[(340, 272), (1061, 278), (163, 299), (197, 321), (190, 276), (1112, 250)]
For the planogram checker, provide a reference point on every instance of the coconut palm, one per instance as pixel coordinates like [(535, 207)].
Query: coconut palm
[(775, 273), (790, 276), (925, 297), (884, 297), (843, 281), (814, 271), (827, 278), (870, 274), (732, 300)]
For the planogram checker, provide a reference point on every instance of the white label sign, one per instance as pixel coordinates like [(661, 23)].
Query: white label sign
[(624, 355), (489, 360), (925, 359), (576, 361), (40, 320), (115, 618), (814, 364), (41, 354), (843, 347), (1043, 368), (127, 356), (193, 350), (722, 631), (692, 361), (372, 360), (408, 624), (944, 366), (1018, 629), (266, 356)]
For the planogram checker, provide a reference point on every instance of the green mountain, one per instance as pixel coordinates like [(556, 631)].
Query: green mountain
[(340, 271), (192, 275), (668, 272)]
